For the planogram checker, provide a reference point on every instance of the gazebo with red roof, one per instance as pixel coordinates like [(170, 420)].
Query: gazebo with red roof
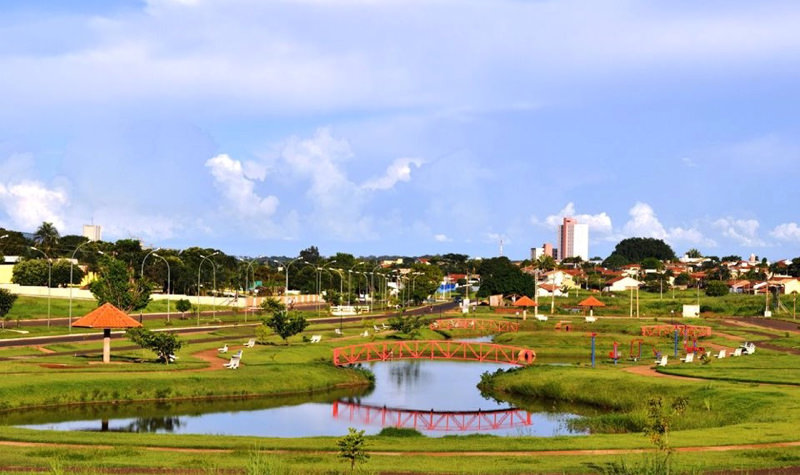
[(106, 317), (591, 302), (525, 302)]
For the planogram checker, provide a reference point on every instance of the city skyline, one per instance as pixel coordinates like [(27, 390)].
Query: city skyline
[(372, 128)]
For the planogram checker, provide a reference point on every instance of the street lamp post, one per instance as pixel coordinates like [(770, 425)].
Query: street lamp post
[(200, 266), (246, 286), (71, 263), (286, 288), (169, 285), (49, 281), (341, 279), (141, 276)]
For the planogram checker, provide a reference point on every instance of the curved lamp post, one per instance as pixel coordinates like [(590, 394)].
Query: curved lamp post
[(169, 286), (200, 266), (49, 280), (141, 276), (71, 264), (247, 271)]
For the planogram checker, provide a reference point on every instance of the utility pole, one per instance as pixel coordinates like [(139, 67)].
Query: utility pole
[(631, 303)]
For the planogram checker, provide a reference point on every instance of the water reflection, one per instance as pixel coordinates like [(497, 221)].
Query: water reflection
[(435, 397), (446, 421)]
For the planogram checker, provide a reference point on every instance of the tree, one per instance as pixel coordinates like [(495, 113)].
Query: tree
[(794, 267), (284, 325), (271, 306), (652, 263), (615, 261), (164, 344), (61, 271), (659, 420), (716, 288), (682, 279), (732, 258), (352, 448), (500, 276), (115, 284), (46, 237), (30, 272), (410, 325), (545, 263), (310, 254), (183, 306), (693, 253), (636, 249), (7, 300)]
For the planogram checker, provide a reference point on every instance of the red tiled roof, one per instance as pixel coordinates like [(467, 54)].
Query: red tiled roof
[(524, 301), (549, 287), (591, 302), (106, 316)]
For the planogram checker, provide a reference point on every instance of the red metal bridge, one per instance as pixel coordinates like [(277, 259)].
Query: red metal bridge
[(432, 350), (446, 421), (475, 324), (692, 331)]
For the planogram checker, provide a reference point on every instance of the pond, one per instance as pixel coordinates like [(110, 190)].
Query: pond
[(437, 398)]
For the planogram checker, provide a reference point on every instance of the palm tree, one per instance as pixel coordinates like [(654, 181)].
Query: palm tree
[(46, 237)]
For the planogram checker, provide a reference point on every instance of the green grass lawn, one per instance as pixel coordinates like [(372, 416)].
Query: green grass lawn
[(725, 407)]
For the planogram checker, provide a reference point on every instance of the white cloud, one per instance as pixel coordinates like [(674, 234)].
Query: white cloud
[(238, 189), (598, 223), (644, 223), (241, 54), (399, 170), (441, 238), (152, 229), (743, 231), (29, 203), (690, 236), (786, 232)]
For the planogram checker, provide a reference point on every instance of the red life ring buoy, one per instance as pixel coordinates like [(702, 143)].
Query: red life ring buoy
[(526, 356)]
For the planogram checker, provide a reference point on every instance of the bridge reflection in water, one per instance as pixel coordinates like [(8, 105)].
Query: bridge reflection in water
[(446, 421)]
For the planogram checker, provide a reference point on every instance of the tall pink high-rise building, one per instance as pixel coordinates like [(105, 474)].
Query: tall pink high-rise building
[(574, 239)]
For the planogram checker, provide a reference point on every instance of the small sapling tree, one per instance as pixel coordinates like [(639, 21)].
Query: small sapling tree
[(7, 300), (351, 448), (163, 344), (183, 306), (284, 325)]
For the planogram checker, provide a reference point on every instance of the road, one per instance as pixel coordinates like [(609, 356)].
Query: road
[(48, 340)]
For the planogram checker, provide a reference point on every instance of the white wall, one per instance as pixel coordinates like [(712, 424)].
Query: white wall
[(82, 294)]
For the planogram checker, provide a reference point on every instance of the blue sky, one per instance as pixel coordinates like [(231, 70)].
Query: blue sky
[(403, 127)]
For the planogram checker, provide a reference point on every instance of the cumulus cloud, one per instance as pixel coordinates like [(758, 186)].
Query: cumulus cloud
[(29, 203), (743, 231), (644, 223), (238, 190), (786, 232), (599, 223), (399, 170), (441, 238)]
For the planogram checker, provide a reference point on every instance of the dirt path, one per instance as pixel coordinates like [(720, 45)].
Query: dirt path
[(513, 453), (651, 372)]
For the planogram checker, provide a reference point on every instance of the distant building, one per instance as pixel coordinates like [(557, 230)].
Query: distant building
[(92, 232), (545, 250), (574, 239), (621, 284)]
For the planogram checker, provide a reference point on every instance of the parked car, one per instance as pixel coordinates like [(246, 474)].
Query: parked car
[(748, 348)]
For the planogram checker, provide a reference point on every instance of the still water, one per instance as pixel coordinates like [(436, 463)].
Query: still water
[(436, 398)]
